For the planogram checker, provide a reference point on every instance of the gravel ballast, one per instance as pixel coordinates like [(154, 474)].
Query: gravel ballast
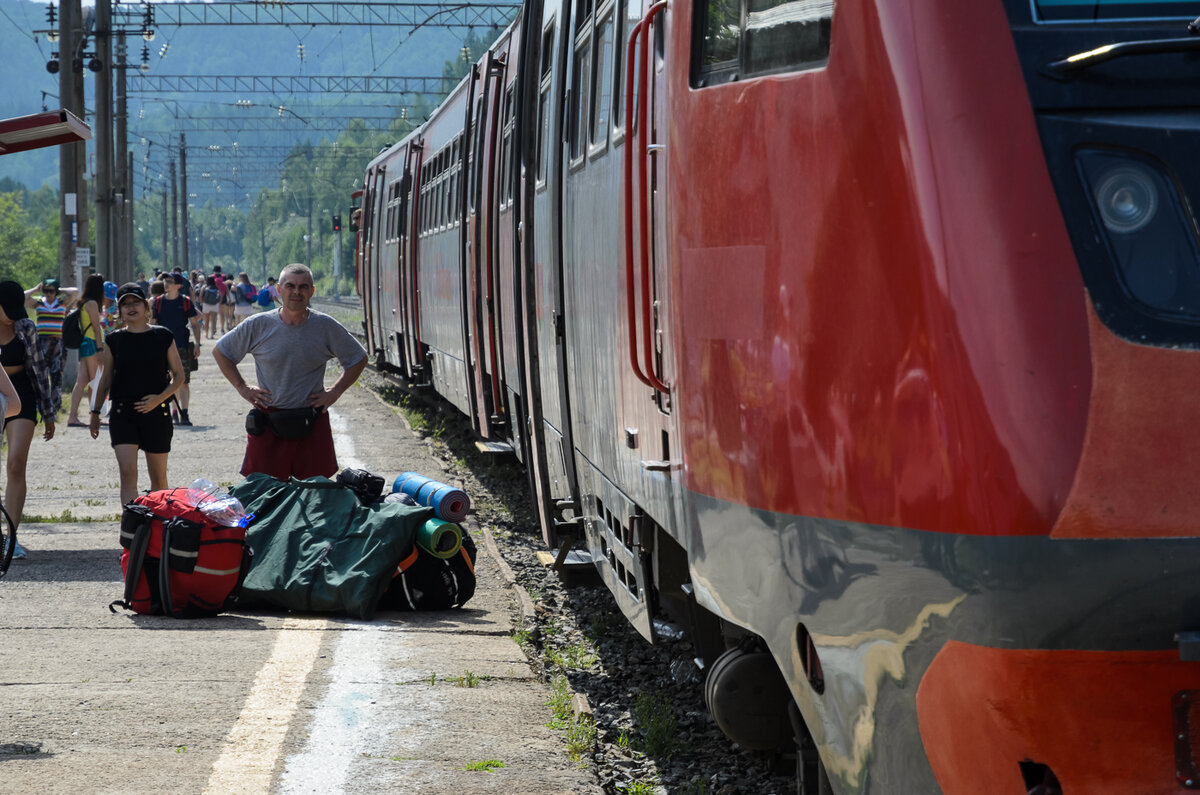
[(652, 732)]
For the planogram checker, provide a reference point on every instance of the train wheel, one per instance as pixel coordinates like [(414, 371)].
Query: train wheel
[(747, 695), (811, 776)]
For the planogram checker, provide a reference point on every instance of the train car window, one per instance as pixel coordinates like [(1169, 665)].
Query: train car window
[(422, 200), (737, 39), (433, 203), (543, 129), (444, 195), (431, 197), (583, 13), (1110, 10), (603, 82), (620, 35), (480, 132), (581, 94), (506, 152), (457, 190), (424, 219), (443, 203)]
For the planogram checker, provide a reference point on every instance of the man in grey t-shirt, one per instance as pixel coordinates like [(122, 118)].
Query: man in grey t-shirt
[(291, 347)]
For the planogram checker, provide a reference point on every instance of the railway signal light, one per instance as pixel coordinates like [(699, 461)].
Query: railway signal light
[(337, 223)]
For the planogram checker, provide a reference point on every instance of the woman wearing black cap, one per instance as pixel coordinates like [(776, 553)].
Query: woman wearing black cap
[(137, 361), (22, 358)]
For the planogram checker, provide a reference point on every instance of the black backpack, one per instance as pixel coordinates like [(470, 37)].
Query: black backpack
[(72, 328), (425, 582)]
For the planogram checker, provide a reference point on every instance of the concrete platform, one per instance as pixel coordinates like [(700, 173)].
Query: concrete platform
[(252, 702)]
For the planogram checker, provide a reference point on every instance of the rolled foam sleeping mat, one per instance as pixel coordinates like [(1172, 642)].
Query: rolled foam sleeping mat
[(449, 503), (440, 539)]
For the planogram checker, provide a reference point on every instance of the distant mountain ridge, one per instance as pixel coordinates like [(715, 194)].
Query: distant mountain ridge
[(215, 50)]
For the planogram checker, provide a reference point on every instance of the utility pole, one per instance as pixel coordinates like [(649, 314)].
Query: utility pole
[(83, 236), (174, 220), (68, 31), (127, 234), (184, 197), (166, 248), (262, 236), (104, 140), (122, 195), (308, 237)]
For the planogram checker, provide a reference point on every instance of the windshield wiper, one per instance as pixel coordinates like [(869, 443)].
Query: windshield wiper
[(1078, 62)]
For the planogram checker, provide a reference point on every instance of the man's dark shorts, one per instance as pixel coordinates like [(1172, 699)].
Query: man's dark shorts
[(150, 432)]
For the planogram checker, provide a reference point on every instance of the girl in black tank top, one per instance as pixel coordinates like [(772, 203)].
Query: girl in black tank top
[(142, 369)]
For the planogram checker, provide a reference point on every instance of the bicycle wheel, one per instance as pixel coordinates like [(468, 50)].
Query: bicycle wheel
[(8, 541)]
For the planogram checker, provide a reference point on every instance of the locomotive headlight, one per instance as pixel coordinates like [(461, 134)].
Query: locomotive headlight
[(1146, 227), (1127, 198)]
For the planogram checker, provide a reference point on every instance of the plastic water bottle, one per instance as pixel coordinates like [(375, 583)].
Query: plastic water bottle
[(227, 511), (202, 491)]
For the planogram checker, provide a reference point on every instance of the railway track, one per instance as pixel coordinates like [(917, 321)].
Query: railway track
[(348, 312)]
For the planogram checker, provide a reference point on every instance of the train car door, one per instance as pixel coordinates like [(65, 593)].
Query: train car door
[(410, 259), (377, 334), (388, 255), (356, 222), (542, 89), (506, 257), (491, 411), (400, 198)]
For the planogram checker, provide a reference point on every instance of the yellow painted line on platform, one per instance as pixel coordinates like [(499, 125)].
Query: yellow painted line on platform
[(252, 747)]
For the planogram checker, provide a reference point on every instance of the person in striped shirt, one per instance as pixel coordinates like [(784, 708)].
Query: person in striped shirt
[(50, 304)]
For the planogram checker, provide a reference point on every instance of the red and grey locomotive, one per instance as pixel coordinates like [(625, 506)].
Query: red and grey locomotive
[(858, 336)]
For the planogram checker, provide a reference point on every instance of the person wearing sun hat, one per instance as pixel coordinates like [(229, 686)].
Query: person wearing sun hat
[(109, 316), (22, 359), (137, 360)]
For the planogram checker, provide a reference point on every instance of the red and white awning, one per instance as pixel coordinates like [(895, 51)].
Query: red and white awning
[(41, 129)]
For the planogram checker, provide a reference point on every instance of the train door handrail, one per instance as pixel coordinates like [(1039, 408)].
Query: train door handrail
[(637, 130)]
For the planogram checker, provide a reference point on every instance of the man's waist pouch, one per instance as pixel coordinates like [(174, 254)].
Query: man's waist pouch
[(284, 423)]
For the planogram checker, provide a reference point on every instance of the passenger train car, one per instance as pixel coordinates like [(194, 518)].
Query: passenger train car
[(859, 337)]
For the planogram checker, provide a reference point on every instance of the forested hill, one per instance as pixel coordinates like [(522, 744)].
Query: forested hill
[(214, 50)]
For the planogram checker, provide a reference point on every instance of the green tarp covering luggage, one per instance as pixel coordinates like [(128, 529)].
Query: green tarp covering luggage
[(317, 548)]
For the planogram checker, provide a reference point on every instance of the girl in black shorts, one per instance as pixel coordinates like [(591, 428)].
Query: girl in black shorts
[(22, 359), (142, 369)]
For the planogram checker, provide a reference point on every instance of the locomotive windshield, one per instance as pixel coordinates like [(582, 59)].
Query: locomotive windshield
[(1113, 10)]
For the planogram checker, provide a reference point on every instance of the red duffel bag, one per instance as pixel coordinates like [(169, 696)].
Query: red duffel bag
[(203, 565)]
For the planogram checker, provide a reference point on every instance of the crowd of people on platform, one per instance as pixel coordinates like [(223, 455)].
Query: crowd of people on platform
[(141, 342)]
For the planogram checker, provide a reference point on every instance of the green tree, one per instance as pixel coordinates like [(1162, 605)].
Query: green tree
[(27, 253)]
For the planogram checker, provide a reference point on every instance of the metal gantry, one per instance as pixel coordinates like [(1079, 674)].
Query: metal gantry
[(115, 20), (291, 84), (400, 15)]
